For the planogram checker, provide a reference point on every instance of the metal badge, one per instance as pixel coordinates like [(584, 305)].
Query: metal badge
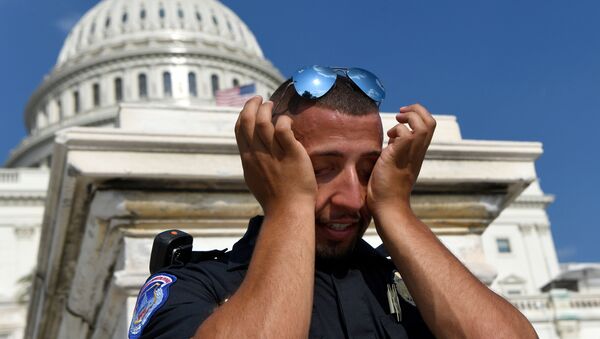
[(394, 302), (402, 289)]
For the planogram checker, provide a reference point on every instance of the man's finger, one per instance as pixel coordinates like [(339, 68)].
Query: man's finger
[(426, 117), (414, 120), (284, 136), (399, 131), (422, 112), (264, 128), (247, 118)]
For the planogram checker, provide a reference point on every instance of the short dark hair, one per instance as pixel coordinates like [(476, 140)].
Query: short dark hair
[(345, 97)]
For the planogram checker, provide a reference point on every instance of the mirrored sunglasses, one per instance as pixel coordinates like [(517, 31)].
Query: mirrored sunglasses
[(313, 82)]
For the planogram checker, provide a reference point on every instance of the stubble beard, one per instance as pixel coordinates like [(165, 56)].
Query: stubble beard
[(331, 251)]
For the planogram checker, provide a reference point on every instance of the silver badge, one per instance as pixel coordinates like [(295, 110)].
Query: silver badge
[(402, 289)]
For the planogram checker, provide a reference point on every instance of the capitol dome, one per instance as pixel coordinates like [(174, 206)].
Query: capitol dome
[(167, 52), (112, 25)]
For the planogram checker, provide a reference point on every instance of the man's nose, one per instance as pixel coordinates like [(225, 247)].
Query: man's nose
[(350, 193)]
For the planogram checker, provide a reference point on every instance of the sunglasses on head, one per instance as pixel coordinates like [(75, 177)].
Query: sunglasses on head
[(313, 82)]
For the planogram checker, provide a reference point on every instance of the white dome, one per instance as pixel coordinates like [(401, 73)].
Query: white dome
[(113, 25), (175, 53)]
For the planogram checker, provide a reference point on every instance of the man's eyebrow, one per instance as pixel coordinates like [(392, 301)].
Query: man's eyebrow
[(339, 154)]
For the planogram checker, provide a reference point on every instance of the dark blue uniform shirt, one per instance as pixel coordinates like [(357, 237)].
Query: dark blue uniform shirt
[(350, 296)]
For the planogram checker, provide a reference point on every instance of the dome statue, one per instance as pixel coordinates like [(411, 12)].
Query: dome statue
[(170, 52)]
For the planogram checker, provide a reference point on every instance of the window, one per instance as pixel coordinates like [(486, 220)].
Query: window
[(236, 82), (107, 23), (118, 89), (167, 88), (198, 16), (180, 13), (214, 82), (59, 108), (96, 94), (161, 13), (76, 105), (193, 89), (143, 14), (503, 245), (124, 17), (142, 86), (215, 21)]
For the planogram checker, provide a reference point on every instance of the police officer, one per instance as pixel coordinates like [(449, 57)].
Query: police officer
[(313, 159)]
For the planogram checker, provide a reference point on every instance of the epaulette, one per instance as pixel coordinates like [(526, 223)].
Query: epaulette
[(198, 256)]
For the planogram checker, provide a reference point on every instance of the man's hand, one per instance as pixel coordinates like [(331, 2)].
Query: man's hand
[(396, 170), (281, 272), (453, 302), (277, 168)]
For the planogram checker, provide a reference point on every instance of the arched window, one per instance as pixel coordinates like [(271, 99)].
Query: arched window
[(142, 86), (161, 13), (143, 14), (167, 88), (124, 17), (235, 82), (59, 108), (118, 89), (180, 13), (214, 82), (76, 105), (193, 88), (96, 94)]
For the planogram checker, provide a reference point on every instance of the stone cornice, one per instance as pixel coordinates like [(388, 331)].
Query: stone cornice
[(15, 200), (541, 201), (46, 136), (485, 150)]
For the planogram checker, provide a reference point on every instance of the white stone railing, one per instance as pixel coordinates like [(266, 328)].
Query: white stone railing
[(584, 301), (530, 303), (555, 306), (9, 176)]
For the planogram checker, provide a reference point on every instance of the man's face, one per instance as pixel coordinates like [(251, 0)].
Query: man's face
[(343, 150)]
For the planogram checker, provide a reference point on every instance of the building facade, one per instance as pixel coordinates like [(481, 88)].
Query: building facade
[(125, 140)]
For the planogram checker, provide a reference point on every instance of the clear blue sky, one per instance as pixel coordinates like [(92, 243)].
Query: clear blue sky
[(509, 70)]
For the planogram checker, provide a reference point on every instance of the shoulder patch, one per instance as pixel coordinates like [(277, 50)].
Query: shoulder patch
[(152, 296)]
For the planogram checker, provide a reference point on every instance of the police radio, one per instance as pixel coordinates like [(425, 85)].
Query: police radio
[(174, 247), (170, 248)]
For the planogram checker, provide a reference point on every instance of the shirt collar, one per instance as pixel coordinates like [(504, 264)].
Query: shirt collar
[(241, 253)]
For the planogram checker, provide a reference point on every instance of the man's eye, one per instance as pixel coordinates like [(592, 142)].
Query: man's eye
[(365, 172), (320, 171)]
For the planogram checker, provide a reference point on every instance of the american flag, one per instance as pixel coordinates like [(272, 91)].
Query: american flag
[(236, 96)]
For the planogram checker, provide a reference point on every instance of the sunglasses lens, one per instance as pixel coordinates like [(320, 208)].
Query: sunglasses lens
[(314, 81), (368, 83)]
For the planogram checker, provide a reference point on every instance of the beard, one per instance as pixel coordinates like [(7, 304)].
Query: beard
[(333, 251)]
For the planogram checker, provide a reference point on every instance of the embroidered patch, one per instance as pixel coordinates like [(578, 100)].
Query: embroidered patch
[(152, 296), (402, 289)]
